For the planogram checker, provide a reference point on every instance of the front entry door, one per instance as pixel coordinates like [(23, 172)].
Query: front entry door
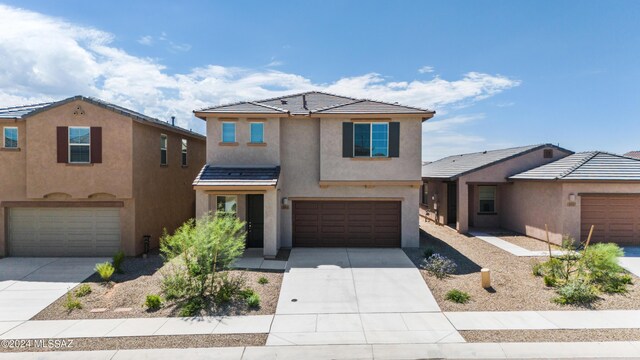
[(255, 221), (452, 202)]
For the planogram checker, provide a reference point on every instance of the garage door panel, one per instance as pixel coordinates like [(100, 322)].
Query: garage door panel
[(64, 231), (346, 223), (616, 218)]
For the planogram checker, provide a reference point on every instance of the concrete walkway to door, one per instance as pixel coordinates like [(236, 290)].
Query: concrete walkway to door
[(28, 285), (356, 296)]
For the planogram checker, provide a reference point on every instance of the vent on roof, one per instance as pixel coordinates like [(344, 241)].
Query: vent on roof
[(283, 102), (548, 153), (484, 152), (304, 102), (173, 121)]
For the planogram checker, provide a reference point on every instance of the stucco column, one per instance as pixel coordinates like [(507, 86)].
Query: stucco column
[(202, 203), (411, 227), (270, 223), (463, 207)]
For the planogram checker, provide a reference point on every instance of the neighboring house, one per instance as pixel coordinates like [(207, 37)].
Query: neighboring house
[(315, 169), (633, 154), (82, 177), (573, 193), (469, 190)]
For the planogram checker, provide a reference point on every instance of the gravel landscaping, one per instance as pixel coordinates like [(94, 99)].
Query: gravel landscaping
[(551, 335), (152, 342), (514, 288), (141, 277)]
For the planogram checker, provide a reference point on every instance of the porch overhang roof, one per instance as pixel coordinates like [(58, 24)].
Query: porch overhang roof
[(237, 178)]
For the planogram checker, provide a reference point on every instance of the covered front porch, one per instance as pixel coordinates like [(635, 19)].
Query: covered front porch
[(249, 192)]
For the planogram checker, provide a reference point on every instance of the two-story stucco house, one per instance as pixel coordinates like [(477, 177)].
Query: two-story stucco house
[(82, 177), (315, 170)]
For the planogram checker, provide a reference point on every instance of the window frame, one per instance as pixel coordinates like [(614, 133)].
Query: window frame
[(165, 149), (371, 124), (225, 204), (424, 196), (184, 150), (235, 132), (251, 123), (4, 137), (495, 197), (70, 144)]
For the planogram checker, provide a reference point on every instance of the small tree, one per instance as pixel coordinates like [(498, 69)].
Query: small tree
[(203, 248)]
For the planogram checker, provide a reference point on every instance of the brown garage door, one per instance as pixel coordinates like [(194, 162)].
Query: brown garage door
[(346, 223), (616, 218)]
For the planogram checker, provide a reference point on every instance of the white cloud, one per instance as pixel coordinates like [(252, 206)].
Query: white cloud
[(46, 58), (146, 40), (426, 69)]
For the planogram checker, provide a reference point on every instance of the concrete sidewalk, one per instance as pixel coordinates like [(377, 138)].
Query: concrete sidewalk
[(595, 350), (513, 249)]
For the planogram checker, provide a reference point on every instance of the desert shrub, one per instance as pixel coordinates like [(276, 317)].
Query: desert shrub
[(118, 258), (205, 248), (601, 261), (153, 302), (253, 301), (83, 290), (427, 253), (537, 269), (246, 293), (550, 281), (263, 280), (439, 266), (228, 287), (191, 307), (71, 302), (174, 285), (105, 270), (576, 292), (457, 296)]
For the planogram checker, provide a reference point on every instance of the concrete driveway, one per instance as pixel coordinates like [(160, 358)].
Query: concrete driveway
[(28, 285), (356, 296)]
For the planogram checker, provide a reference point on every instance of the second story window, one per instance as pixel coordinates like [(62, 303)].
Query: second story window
[(228, 132), (371, 140), (79, 145), (257, 133), (163, 149), (10, 135), (184, 152)]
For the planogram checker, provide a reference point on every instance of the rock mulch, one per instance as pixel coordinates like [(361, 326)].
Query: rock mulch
[(551, 335), (514, 288), (151, 342), (141, 277)]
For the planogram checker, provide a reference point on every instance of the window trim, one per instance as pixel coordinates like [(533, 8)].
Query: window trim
[(4, 137), (69, 144), (495, 198), (166, 149), (370, 123), (184, 152), (251, 123), (424, 201), (235, 132)]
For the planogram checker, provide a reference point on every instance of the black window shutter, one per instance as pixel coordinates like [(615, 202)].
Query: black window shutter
[(347, 139), (62, 142), (394, 139), (96, 145)]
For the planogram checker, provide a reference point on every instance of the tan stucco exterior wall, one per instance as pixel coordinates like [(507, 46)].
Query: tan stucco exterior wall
[(243, 153), (164, 195), (436, 207), (13, 175)]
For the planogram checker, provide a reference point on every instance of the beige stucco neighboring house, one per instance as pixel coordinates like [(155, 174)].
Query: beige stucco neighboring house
[(82, 177), (472, 190), (315, 169), (572, 194)]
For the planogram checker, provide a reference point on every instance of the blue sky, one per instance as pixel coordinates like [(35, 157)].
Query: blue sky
[(499, 73)]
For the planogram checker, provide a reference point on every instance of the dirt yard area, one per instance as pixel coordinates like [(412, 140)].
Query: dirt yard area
[(514, 288), (124, 297), (524, 241)]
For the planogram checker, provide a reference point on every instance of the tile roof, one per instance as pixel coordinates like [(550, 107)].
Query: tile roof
[(315, 102), (633, 154), (591, 165), (237, 176), (20, 112), (455, 166), (16, 112)]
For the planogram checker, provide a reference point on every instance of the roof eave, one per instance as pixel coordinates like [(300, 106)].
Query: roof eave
[(203, 115)]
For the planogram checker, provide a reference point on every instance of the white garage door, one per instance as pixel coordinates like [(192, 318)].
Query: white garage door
[(64, 231)]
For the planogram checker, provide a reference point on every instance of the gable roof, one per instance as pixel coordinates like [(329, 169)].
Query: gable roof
[(237, 176), (313, 102), (633, 154), (455, 166), (590, 165), (22, 112)]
